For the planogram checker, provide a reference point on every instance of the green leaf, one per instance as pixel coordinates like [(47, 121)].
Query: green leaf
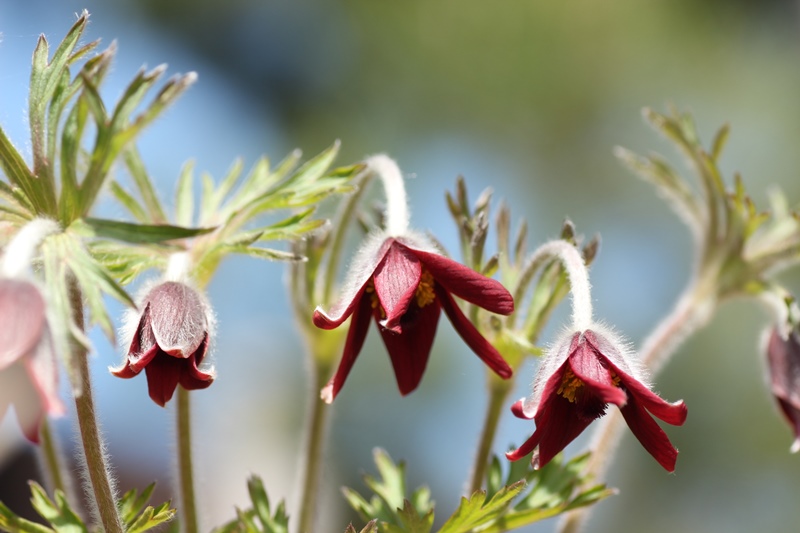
[(9, 521), (184, 196), (245, 521), (58, 513), (138, 516), (476, 511), (141, 233), (129, 202), (133, 161)]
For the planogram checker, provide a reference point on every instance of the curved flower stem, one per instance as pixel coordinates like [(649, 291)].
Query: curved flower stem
[(397, 217), (97, 469), (692, 312), (497, 399), (314, 449), (188, 508)]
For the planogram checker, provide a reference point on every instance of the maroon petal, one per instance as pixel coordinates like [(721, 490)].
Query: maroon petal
[(355, 340), (671, 413), (22, 315), (192, 378), (163, 374), (518, 410), (527, 447), (410, 349), (588, 368), (178, 318), (652, 437), (792, 414), (466, 283), (338, 314), (471, 335), (136, 363), (561, 423), (396, 280)]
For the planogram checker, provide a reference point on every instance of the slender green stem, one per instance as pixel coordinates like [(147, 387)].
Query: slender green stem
[(188, 508), (497, 400), (97, 469), (51, 460), (314, 448)]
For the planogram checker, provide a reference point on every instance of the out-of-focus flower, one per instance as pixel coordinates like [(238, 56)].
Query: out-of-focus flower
[(169, 341), (783, 358), (28, 371), (404, 283), (578, 378)]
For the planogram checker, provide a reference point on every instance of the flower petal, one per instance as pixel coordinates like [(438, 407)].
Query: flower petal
[(560, 425), (409, 350), (163, 373), (178, 318), (471, 335), (396, 280), (359, 325), (366, 261), (527, 447), (22, 315), (43, 375), (586, 364), (652, 437), (671, 413), (466, 283)]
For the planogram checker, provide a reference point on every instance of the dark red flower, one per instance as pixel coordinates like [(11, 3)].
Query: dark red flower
[(404, 288), (578, 379), (28, 370), (783, 358), (170, 341)]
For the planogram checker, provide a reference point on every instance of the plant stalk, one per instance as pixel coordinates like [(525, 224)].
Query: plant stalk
[(497, 400), (51, 459), (97, 469), (188, 508), (314, 448)]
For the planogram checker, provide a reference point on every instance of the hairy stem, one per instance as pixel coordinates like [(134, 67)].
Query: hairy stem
[(692, 312), (497, 400), (314, 450), (98, 473), (188, 508)]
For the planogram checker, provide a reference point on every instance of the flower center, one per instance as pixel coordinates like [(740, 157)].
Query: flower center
[(571, 385), (425, 293)]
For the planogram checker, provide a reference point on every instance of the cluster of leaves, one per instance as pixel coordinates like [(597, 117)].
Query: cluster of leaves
[(740, 247), (520, 497), (516, 335), (259, 518), (136, 515)]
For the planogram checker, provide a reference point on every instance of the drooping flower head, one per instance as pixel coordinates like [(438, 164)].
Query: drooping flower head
[(588, 368), (169, 341), (28, 368), (783, 361), (402, 282)]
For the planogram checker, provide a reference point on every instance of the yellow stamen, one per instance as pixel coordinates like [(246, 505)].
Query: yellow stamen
[(570, 384), (373, 298), (425, 293)]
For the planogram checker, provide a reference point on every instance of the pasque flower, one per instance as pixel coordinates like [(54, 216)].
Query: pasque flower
[(783, 359), (581, 375), (588, 368), (28, 371), (169, 341), (402, 282)]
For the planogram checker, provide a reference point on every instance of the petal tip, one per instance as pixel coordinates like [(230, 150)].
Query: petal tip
[(326, 394)]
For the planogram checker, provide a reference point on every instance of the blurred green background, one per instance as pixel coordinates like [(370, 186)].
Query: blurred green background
[(528, 98)]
